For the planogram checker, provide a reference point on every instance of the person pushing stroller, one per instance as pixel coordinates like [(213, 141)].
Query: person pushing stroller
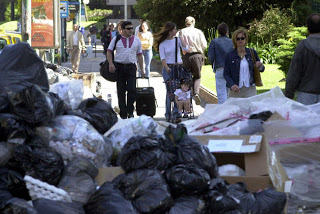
[(182, 98)]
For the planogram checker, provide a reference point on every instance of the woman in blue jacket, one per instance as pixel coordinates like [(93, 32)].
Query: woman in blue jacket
[(238, 70)]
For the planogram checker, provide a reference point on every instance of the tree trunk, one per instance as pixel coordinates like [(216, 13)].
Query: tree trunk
[(3, 5), (12, 10)]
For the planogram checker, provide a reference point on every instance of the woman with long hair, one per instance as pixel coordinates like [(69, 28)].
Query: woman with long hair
[(239, 67), (165, 43), (146, 39)]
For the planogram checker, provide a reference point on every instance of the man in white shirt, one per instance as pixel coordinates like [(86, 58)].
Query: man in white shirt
[(128, 52), (75, 45), (194, 58)]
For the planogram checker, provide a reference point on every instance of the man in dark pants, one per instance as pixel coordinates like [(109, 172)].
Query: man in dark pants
[(128, 51), (194, 58)]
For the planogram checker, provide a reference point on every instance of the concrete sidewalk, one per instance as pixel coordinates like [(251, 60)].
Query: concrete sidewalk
[(90, 64)]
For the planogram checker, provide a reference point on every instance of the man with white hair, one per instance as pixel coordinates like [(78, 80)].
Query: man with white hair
[(194, 58)]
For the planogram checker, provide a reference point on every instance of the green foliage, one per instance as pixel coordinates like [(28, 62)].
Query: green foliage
[(301, 9), (268, 28), (267, 52), (288, 46), (98, 14), (207, 13)]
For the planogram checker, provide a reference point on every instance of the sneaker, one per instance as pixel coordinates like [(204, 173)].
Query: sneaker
[(197, 99), (130, 116), (185, 115)]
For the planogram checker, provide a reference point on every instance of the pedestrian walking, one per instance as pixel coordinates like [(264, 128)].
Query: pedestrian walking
[(217, 52), (304, 72), (93, 33), (238, 70), (165, 44), (138, 28), (146, 39), (128, 52), (194, 58), (106, 39), (75, 46)]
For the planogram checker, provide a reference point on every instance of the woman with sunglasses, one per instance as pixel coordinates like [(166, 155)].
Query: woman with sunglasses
[(238, 71), (165, 44)]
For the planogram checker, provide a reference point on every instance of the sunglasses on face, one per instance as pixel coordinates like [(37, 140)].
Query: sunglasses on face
[(241, 38), (129, 28)]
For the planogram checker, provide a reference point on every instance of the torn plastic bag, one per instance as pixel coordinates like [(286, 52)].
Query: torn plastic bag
[(187, 205), (13, 129), (47, 206), (142, 152), (224, 204), (20, 67), (78, 179), (109, 200), (147, 189), (174, 135), (264, 202), (98, 112), (17, 206), (187, 179), (42, 163), (71, 92), (189, 150), (13, 182), (76, 136), (34, 106), (125, 129)]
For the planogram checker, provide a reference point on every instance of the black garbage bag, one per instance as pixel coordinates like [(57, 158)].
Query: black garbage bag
[(174, 135), (147, 189), (219, 184), (142, 152), (59, 107), (20, 67), (17, 206), (264, 115), (40, 163), (187, 205), (13, 182), (264, 202), (6, 151), (47, 206), (78, 179), (189, 150), (4, 197), (33, 105), (13, 129), (187, 179), (98, 113), (109, 200), (4, 103)]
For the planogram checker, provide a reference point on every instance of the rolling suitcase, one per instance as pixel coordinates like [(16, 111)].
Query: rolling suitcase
[(145, 100)]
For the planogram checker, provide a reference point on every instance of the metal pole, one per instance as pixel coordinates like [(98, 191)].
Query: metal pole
[(79, 14), (26, 21), (125, 10)]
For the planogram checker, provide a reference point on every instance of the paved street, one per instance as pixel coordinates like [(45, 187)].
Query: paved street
[(91, 64)]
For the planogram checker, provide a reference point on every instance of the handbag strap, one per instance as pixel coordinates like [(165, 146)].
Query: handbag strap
[(253, 56)]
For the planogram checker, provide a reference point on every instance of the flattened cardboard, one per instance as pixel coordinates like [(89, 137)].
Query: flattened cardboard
[(254, 163), (108, 174)]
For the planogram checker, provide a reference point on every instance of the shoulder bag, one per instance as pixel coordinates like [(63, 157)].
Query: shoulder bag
[(256, 71), (104, 66)]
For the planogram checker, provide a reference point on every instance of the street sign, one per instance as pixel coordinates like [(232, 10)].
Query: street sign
[(74, 7), (64, 11)]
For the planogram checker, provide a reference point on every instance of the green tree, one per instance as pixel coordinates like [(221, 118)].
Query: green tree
[(301, 9), (208, 13)]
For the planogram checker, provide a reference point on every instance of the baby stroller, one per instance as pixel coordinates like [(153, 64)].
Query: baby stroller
[(173, 83)]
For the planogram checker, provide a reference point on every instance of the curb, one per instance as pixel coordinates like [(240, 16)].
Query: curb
[(205, 94)]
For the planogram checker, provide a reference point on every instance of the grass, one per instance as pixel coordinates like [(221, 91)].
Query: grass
[(271, 78)]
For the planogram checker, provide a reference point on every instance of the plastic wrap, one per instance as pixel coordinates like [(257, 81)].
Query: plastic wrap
[(71, 133), (71, 92), (123, 130)]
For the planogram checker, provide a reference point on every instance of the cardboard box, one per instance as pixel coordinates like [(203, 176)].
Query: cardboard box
[(89, 80), (252, 157)]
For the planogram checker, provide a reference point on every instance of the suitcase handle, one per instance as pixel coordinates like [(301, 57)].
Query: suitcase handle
[(142, 78)]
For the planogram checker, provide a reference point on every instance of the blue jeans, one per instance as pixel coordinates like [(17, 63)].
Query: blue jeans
[(221, 86), (307, 98), (175, 112), (147, 57)]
